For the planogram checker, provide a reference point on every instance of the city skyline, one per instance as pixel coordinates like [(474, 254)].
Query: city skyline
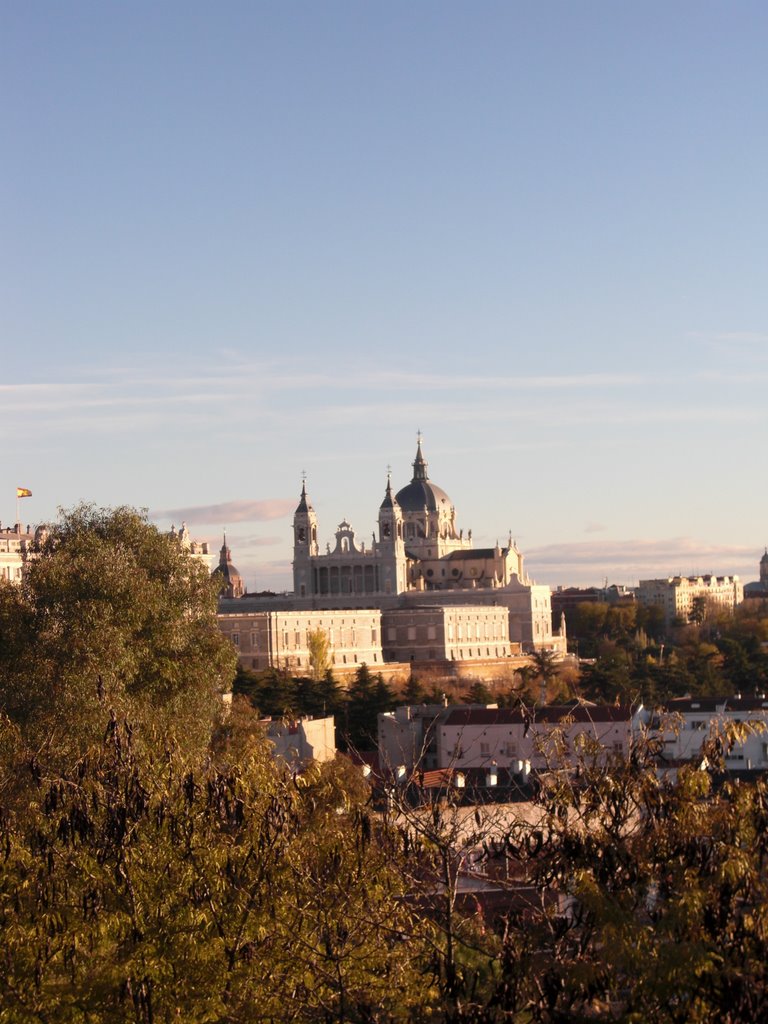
[(249, 244)]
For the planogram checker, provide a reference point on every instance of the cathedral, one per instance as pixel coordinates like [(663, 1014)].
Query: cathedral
[(419, 549), (419, 592)]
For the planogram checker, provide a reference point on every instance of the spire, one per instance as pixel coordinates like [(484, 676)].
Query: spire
[(225, 555), (419, 464), (304, 504), (389, 499), (231, 582)]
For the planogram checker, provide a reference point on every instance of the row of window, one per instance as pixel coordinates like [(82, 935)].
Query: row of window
[(300, 639)]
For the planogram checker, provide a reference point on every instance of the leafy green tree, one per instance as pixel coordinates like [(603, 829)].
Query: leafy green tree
[(737, 664), (319, 653), (330, 696), (360, 725), (546, 666), (662, 911), (413, 692), (111, 615), (383, 696), (367, 697), (698, 610), (141, 886), (273, 691), (478, 693)]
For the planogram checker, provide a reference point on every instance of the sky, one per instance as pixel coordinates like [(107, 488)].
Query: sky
[(244, 242)]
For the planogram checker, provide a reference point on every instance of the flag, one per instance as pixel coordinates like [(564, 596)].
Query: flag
[(23, 492)]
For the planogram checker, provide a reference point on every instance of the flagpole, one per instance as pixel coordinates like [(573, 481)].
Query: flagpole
[(21, 492)]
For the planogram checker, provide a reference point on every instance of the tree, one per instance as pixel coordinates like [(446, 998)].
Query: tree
[(111, 615), (413, 691), (636, 898), (545, 663), (330, 696), (141, 886), (367, 697), (274, 692), (698, 610), (478, 693), (319, 653), (662, 908)]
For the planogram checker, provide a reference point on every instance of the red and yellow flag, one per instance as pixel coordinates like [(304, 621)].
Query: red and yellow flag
[(23, 492)]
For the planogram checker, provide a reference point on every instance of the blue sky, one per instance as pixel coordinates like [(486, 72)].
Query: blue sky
[(247, 240)]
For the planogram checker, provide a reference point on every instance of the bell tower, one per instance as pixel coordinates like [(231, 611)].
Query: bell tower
[(304, 544), (391, 546)]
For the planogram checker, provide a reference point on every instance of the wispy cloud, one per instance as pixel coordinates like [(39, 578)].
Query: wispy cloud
[(240, 511), (144, 399), (245, 543), (753, 344), (403, 381), (742, 337), (627, 561), (595, 528)]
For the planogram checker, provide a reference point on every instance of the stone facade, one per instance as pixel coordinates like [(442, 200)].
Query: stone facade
[(15, 543), (297, 741), (420, 557), (445, 632), (676, 594), (280, 638), (478, 736), (196, 548), (419, 548), (421, 588), (685, 723)]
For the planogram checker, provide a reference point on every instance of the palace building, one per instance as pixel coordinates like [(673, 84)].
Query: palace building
[(438, 596)]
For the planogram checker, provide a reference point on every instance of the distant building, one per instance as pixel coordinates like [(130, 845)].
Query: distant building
[(280, 638), (16, 545), (565, 599), (760, 587), (686, 723), (300, 740), (230, 579), (464, 737), (422, 563), (676, 594), (197, 548), (460, 632)]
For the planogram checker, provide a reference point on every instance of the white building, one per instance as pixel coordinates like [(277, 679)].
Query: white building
[(281, 638), (300, 740), (463, 738), (441, 598), (17, 544), (686, 723), (14, 544), (446, 632), (420, 558), (676, 594)]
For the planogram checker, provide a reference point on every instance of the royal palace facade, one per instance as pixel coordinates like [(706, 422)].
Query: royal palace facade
[(420, 592)]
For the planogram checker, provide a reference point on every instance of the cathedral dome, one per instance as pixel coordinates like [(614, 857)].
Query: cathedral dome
[(421, 493), (231, 581)]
